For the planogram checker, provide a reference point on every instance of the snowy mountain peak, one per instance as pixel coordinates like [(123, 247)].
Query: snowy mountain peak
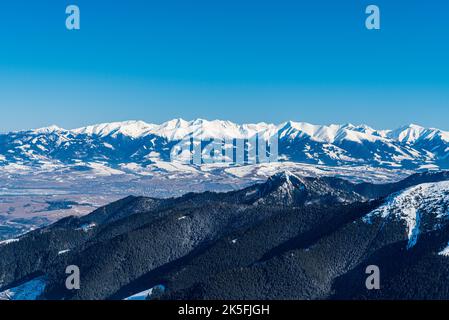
[(175, 124), (330, 133), (283, 180), (408, 134), (319, 133), (177, 129), (49, 129), (286, 188), (285, 176), (132, 129)]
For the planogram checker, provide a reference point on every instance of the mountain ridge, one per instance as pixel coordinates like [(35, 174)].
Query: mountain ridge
[(107, 128), (137, 142)]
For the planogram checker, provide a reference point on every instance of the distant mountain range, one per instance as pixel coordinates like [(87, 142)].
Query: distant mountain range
[(139, 144), (290, 237)]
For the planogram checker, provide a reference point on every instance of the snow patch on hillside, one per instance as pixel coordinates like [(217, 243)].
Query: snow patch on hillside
[(87, 227), (30, 290), (146, 295), (445, 251), (5, 242)]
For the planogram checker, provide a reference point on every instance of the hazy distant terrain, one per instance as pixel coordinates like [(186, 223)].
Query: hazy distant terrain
[(34, 197)]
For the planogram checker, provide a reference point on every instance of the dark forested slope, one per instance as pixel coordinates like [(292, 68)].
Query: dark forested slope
[(288, 238)]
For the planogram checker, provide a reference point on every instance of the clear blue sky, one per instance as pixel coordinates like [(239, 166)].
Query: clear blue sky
[(240, 60)]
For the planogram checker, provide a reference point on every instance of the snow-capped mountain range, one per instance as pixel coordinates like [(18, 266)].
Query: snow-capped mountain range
[(136, 142)]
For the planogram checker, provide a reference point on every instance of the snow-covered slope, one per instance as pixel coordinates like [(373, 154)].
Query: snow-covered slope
[(136, 142), (30, 290), (422, 208)]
